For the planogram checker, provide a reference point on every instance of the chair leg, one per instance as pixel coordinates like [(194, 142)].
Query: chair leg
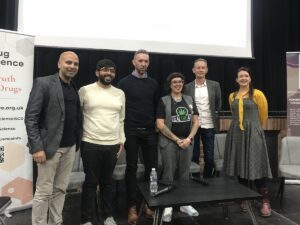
[(5, 201), (281, 189), (225, 210), (2, 221)]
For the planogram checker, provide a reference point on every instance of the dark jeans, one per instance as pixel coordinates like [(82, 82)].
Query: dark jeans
[(98, 162), (207, 137), (136, 139)]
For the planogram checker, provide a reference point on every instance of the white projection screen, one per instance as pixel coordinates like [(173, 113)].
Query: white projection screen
[(190, 27)]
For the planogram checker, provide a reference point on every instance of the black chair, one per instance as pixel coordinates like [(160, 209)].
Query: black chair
[(5, 201)]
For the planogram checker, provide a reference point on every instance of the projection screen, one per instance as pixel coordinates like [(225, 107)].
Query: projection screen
[(191, 27)]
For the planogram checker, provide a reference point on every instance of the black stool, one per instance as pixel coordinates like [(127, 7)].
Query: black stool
[(4, 203)]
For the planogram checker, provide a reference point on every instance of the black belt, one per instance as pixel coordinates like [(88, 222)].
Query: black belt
[(142, 128)]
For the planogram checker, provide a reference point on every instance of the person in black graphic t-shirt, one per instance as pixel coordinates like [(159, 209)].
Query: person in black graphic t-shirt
[(177, 121)]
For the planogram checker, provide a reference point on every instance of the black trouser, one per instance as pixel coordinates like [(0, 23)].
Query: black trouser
[(136, 139), (98, 162), (207, 136)]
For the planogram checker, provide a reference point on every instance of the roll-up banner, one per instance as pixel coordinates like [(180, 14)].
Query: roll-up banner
[(16, 75), (293, 93)]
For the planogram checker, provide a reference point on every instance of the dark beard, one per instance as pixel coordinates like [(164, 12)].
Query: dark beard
[(105, 80)]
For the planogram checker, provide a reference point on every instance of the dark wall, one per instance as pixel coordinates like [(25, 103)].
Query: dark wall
[(275, 31), (9, 14)]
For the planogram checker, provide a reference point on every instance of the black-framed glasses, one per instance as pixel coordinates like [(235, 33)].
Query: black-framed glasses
[(108, 69), (177, 82)]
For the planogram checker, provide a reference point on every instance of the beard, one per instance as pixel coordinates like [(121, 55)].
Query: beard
[(105, 80), (141, 71)]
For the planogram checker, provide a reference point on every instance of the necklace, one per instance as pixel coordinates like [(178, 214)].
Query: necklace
[(177, 99)]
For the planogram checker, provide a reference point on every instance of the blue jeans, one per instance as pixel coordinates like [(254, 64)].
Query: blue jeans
[(207, 137)]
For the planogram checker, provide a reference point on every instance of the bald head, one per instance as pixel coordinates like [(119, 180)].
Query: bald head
[(67, 54), (68, 65)]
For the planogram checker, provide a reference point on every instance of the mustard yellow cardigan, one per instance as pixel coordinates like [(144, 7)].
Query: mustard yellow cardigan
[(261, 102)]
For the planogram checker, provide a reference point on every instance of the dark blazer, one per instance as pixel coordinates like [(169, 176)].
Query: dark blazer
[(215, 99), (45, 115)]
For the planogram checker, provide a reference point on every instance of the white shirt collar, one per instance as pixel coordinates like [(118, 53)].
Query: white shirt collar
[(201, 85)]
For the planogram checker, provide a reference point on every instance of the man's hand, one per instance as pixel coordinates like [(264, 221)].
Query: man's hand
[(120, 149), (39, 156)]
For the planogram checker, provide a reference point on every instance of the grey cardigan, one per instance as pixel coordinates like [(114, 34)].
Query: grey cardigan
[(164, 141)]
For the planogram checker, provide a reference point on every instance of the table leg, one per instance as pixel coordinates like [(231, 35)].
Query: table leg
[(156, 217), (251, 213), (225, 210), (2, 221)]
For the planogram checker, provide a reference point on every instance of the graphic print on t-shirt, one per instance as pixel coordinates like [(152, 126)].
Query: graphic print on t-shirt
[(182, 115)]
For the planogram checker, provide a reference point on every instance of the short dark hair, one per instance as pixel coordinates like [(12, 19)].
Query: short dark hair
[(105, 63), (171, 77)]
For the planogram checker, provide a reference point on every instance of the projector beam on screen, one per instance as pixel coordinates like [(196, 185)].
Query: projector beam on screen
[(192, 27)]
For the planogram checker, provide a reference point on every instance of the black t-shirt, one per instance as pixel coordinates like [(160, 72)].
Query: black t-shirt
[(181, 116)]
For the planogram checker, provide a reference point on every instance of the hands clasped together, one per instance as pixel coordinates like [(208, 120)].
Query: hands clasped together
[(184, 143)]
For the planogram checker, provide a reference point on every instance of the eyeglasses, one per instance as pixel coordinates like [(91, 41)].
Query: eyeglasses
[(177, 82), (108, 69)]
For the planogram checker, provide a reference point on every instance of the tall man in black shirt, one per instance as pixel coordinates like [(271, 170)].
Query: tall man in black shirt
[(54, 125), (141, 93)]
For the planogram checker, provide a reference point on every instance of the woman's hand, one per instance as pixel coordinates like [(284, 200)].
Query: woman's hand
[(179, 141), (185, 143)]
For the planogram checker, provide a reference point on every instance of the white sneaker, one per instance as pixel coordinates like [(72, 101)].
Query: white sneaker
[(110, 221), (167, 215), (189, 210), (87, 223)]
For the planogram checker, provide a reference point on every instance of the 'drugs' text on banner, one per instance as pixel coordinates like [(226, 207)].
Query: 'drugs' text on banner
[(16, 75)]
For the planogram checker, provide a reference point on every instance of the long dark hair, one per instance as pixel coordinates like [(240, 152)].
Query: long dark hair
[(247, 69)]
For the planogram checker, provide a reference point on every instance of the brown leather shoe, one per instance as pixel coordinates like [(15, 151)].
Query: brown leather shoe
[(149, 213), (132, 215), (265, 209)]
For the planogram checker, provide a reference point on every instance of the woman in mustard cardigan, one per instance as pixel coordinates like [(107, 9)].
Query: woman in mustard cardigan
[(246, 154)]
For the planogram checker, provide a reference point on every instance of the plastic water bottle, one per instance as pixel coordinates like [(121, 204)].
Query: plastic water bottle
[(153, 181)]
